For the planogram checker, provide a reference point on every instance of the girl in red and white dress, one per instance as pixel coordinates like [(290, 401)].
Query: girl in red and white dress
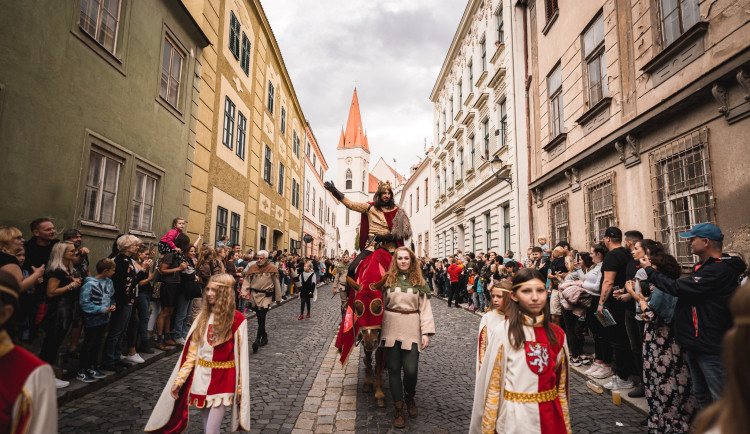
[(28, 396), (522, 381), (212, 372)]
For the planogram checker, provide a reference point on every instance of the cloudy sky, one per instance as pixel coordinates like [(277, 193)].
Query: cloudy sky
[(393, 49)]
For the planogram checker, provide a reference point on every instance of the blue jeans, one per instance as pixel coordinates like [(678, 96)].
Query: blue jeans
[(707, 373), (180, 317), (118, 325)]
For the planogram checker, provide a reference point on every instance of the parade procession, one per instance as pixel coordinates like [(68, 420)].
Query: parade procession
[(452, 216)]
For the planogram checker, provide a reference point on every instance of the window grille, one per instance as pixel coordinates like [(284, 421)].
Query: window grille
[(600, 206), (681, 190), (558, 221), (101, 20)]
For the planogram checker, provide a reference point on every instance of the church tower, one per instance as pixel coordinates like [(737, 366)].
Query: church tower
[(353, 177)]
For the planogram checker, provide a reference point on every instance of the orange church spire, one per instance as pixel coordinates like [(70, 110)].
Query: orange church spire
[(354, 135)]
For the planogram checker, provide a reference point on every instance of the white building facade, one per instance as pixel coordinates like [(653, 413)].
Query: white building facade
[(314, 208), (415, 201), (479, 113)]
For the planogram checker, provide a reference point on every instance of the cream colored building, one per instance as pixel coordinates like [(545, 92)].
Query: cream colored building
[(248, 161), (479, 114), (640, 113), (415, 201), (315, 210)]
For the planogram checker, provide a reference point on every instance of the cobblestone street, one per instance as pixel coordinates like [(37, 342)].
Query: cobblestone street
[(291, 373)]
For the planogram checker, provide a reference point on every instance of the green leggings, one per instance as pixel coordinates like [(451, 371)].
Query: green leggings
[(395, 360)]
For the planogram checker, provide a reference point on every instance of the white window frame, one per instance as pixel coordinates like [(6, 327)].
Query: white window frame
[(99, 189), (140, 201), (98, 25)]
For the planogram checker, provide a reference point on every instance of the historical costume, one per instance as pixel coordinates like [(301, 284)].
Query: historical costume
[(209, 375), (522, 390), (262, 280), (486, 326)]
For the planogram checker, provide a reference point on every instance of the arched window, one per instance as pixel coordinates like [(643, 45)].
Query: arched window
[(348, 179), (363, 181)]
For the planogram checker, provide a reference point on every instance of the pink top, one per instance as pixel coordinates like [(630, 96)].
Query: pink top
[(170, 237)]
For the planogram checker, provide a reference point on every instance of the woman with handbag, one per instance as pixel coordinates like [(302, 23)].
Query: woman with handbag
[(666, 376)]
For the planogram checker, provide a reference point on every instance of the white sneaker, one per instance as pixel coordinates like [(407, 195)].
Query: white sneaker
[(602, 372), (592, 368), (135, 358), (180, 341), (616, 384), (61, 383)]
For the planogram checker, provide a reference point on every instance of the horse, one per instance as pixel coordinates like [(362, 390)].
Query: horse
[(368, 317)]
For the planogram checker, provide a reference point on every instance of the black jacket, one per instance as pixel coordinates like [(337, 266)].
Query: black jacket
[(702, 313)]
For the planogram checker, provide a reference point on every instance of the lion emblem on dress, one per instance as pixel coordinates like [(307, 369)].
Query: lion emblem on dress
[(537, 357)]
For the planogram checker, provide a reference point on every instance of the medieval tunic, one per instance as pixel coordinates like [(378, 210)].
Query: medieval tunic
[(209, 376), (486, 325), (263, 284), (28, 397), (376, 220), (522, 390), (407, 316)]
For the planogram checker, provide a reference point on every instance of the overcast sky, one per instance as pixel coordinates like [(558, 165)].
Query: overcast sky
[(393, 49)]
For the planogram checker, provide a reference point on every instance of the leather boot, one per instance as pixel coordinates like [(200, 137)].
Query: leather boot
[(264, 340), (255, 346), (411, 406), (399, 421)]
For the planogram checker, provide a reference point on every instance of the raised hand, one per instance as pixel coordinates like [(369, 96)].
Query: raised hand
[(334, 191)]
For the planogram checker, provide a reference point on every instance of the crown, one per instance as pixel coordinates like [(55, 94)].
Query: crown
[(386, 184)]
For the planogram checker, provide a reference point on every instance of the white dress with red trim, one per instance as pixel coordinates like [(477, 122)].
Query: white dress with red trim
[(209, 376), (28, 396), (522, 390)]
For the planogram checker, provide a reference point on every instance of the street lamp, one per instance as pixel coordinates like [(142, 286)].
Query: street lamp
[(497, 167)]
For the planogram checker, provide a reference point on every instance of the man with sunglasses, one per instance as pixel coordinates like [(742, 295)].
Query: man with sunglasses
[(702, 315)]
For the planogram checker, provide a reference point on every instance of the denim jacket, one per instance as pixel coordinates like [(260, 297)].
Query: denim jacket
[(96, 296)]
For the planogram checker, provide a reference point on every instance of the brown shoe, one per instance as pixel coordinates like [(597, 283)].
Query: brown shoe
[(170, 342), (411, 406), (399, 421), (162, 346)]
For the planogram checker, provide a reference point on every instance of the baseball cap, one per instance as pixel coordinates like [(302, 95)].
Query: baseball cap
[(613, 232), (704, 230)]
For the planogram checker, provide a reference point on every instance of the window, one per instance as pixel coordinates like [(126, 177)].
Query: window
[(245, 60), (445, 122), (596, 64), (451, 104), (283, 121), (171, 72), (471, 76), (506, 228), (270, 97), (143, 201), (241, 134), (315, 160), (554, 89), (267, 168), (445, 243), (263, 237), (445, 179), (321, 172), (234, 229), (417, 201), (307, 195), (460, 91), (551, 8), (364, 176), (234, 35), (281, 179), (473, 226), (486, 133), (411, 202), (487, 232), (483, 46), (461, 163), (347, 217), (295, 143), (678, 16), (221, 222), (437, 183), (453, 172), (682, 191), (503, 123), (499, 23), (101, 19), (313, 201), (228, 136), (471, 144), (320, 213), (100, 195), (307, 148), (348, 183), (426, 196), (295, 193), (427, 243), (558, 221), (599, 206)]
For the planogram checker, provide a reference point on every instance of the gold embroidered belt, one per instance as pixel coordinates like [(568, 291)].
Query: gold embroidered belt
[(546, 396), (405, 312), (216, 365)]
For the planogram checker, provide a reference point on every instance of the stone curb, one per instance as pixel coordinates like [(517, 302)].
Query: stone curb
[(78, 389)]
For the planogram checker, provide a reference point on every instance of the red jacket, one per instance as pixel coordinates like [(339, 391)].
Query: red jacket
[(454, 271)]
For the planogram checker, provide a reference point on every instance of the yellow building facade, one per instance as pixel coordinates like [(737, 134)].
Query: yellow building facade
[(248, 166)]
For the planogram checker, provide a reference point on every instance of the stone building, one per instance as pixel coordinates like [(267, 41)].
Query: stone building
[(98, 107), (639, 114), (249, 168), (479, 115), (316, 212)]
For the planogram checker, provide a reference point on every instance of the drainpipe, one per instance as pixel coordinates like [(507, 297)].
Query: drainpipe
[(527, 85)]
